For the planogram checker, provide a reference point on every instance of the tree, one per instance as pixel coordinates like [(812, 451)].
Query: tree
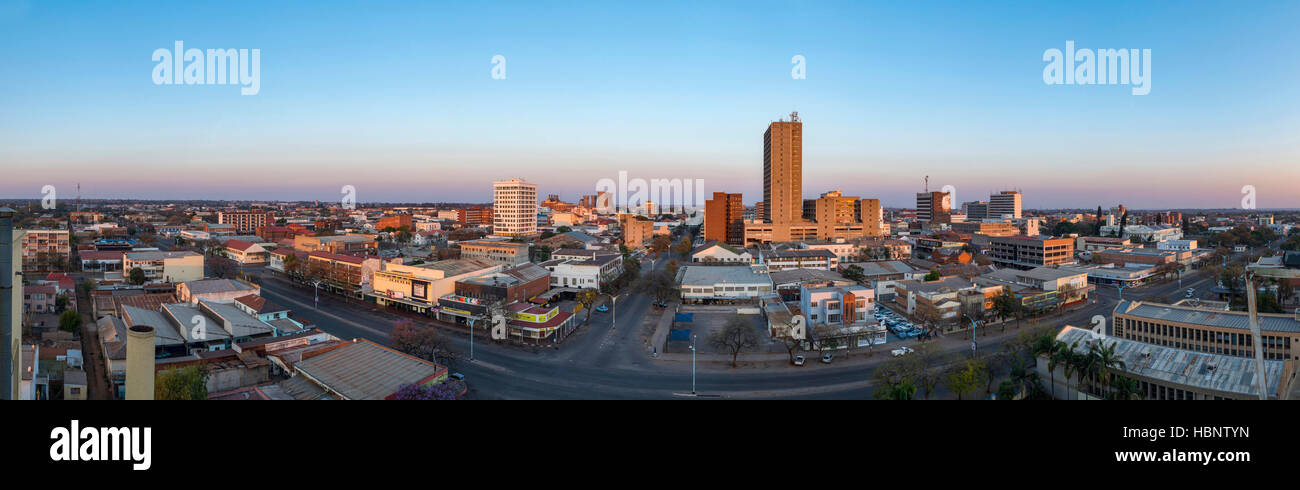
[(587, 298), (563, 229), (222, 267), (1007, 390), (932, 276), (896, 379), (136, 276), (854, 273), (737, 336), (683, 247), (659, 244), (671, 267), (1064, 228), (965, 380), (659, 284), (423, 342), (412, 391), (70, 321), (61, 302), (187, 383), (1123, 223), (1098, 220)]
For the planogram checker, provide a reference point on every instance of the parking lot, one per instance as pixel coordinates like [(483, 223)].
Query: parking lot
[(899, 327), (704, 323)]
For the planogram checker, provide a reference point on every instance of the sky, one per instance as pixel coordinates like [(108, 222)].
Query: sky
[(397, 99)]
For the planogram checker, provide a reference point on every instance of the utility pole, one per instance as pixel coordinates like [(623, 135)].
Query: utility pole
[(693, 339)]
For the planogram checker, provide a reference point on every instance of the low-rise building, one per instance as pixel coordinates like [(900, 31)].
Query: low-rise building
[(718, 252), (172, 267), (723, 284), (496, 251), (216, 290)]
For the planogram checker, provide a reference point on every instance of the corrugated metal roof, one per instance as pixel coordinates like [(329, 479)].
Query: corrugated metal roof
[(363, 370), (1226, 319), (1230, 374)]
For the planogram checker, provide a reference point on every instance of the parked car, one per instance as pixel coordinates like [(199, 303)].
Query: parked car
[(901, 351), (602, 308), (458, 376), (798, 360), (827, 358)]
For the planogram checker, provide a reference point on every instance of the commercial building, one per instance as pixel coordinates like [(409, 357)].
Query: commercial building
[(723, 219), (975, 210), (418, 288), (364, 370), (514, 208), (1026, 252), (395, 221), (723, 284), (336, 244), (1040, 289), (245, 253), (474, 216), (1206, 330), (987, 227), (165, 266), (590, 272), (215, 290), (933, 206), (777, 260), (496, 251), (242, 221), (1168, 373), (1005, 203), (717, 252), (783, 170)]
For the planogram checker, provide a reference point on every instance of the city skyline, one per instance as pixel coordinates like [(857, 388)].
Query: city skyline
[(409, 111)]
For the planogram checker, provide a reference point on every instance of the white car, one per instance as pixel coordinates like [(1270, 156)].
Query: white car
[(901, 351)]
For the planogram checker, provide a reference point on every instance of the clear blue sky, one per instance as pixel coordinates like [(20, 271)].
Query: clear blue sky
[(397, 99)]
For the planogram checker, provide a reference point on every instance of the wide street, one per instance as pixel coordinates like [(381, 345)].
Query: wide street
[(604, 360)]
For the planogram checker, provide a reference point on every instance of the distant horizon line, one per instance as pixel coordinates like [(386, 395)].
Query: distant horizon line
[(333, 203)]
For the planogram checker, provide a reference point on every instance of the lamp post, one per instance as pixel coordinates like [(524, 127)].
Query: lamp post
[(693, 339), (471, 339), (316, 284)]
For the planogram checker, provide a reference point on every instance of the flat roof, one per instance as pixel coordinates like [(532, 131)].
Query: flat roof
[(1230, 374), (363, 370), (1271, 322), (708, 275)]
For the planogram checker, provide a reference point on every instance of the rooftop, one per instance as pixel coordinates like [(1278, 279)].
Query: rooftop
[(1216, 372), (1200, 316), (363, 370), (709, 275)]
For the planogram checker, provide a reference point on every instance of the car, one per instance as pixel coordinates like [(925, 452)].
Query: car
[(458, 376), (901, 351), (798, 360), (661, 304), (602, 308), (827, 358)]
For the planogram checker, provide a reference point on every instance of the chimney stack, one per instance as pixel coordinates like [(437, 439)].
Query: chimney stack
[(139, 362), (11, 305)]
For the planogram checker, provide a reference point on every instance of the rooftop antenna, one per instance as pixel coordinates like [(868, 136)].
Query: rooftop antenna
[(78, 196), (927, 183), (794, 116)]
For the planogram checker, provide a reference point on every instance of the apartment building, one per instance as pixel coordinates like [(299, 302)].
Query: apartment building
[(638, 231), (342, 273), (1027, 252), (164, 266), (500, 252), (243, 222), (474, 216), (723, 219), (1206, 330), (514, 208), (45, 250)]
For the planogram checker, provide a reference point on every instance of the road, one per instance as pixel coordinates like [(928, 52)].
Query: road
[(609, 360)]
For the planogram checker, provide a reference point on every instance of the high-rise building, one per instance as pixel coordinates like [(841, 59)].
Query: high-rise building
[(783, 171), (975, 210), (724, 220), (1004, 203), (932, 206), (514, 208)]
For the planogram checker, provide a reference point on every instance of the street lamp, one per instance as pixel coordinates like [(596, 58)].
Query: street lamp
[(693, 339), (317, 286), (471, 339)]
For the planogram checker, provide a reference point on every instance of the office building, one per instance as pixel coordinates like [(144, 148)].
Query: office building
[(783, 170), (244, 222), (932, 207), (1027, 252), (723, 220), (1004, 203), (514, 208)]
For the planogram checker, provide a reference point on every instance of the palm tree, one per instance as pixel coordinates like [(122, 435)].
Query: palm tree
[(1125, 388), (1060, 355), (1107, 361), (1022, 376)]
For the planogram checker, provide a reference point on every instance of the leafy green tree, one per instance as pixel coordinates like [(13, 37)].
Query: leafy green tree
[(187, 383), (854, 273), (70, 321), (932, 276), (136, 276), (587, 298), (966, 379)]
